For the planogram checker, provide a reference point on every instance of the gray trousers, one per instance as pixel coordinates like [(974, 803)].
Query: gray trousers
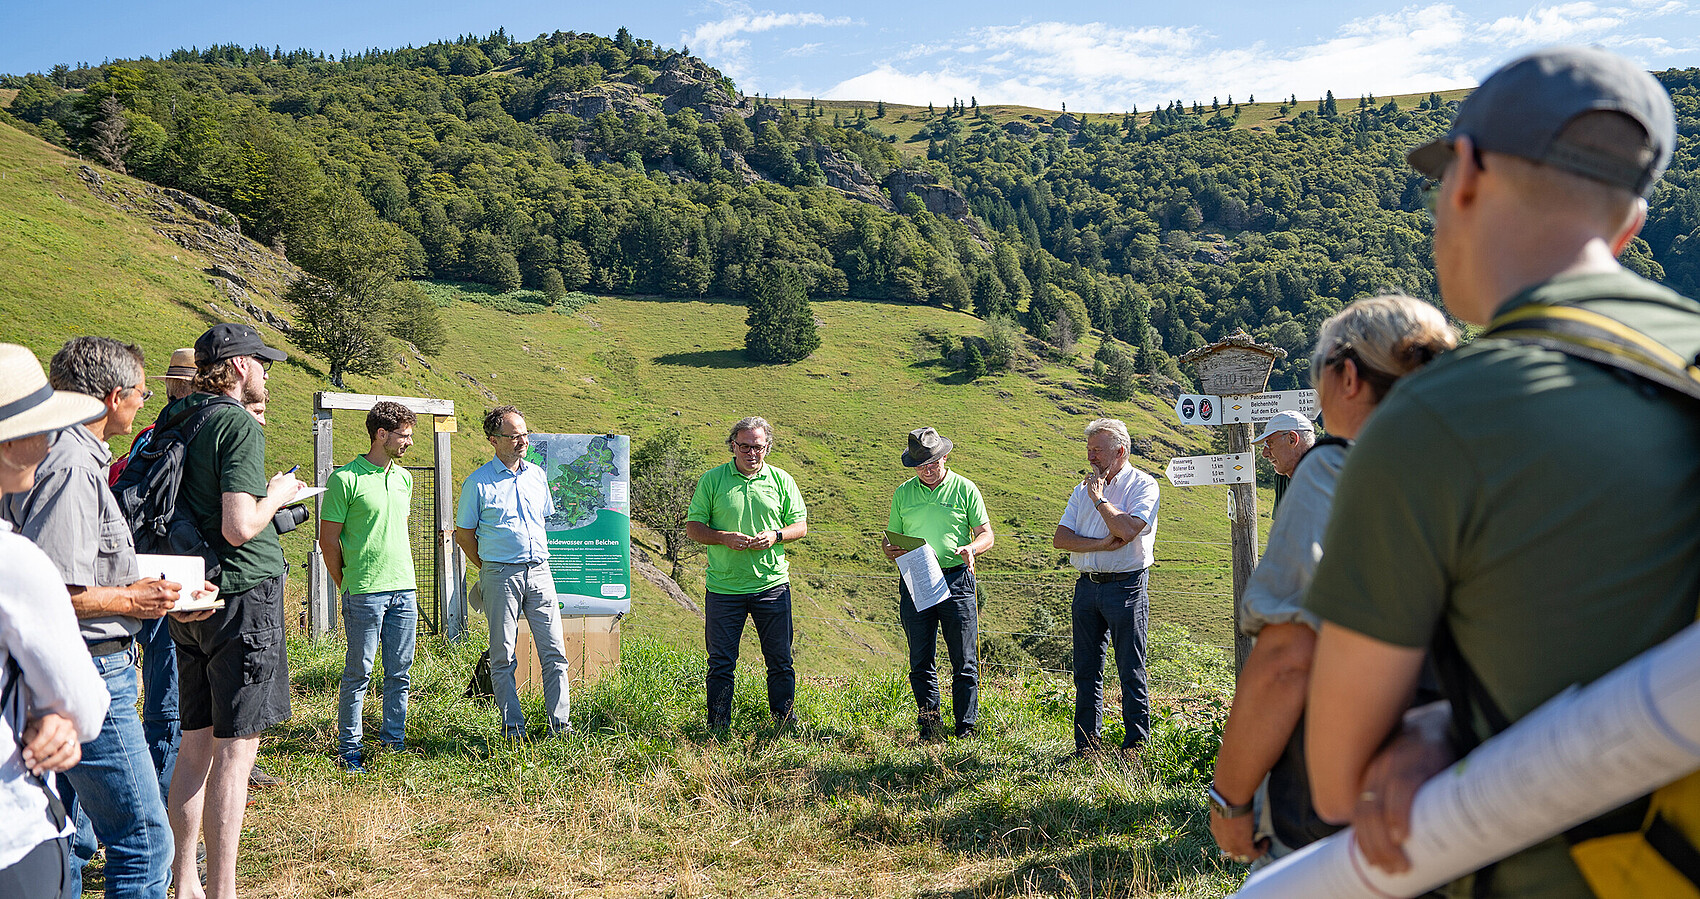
[(510, 590)]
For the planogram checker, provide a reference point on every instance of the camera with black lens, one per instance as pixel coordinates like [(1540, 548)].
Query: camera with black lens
[(289, 518)]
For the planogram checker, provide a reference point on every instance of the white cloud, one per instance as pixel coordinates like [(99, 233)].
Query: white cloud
[(718, 37), (1101, 67)]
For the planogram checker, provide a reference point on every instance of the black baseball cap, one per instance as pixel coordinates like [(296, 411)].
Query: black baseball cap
[(229, 340), (1521, 109)]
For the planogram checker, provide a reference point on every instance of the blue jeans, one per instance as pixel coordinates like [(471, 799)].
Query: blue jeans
[(117, 787), (958, 616), (512, 590), (160, 723), (368, 619), (723, 628), (1117, 611)]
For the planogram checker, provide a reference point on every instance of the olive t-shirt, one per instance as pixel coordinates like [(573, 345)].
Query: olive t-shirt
[(1547, 508), (227, 456)]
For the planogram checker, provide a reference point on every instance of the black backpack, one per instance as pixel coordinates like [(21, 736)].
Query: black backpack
[(148, 488)]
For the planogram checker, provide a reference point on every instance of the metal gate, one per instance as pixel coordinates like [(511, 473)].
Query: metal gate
[(422, 539)]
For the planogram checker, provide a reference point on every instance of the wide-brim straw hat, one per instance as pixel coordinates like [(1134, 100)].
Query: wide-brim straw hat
[(925, 445), (181, 367), (29, 405)]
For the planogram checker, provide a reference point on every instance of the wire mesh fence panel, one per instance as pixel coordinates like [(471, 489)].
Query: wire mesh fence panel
[(422, 540)]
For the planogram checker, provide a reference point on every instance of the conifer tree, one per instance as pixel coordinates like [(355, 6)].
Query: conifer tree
[(781, 321)]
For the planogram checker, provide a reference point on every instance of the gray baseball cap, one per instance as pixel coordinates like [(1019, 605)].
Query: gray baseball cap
[(1521, 109)]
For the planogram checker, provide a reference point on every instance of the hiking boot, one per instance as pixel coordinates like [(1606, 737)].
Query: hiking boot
[(351, 764)]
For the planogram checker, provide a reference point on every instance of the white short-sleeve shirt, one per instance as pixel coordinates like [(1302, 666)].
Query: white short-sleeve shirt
[(1130, 490)]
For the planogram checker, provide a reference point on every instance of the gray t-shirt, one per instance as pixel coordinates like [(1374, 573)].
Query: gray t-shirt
[(72, 515), (1275, 594)]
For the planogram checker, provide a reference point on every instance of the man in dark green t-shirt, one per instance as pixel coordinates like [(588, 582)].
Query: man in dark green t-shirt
[(233, 675), (1481, 499), (742, 511)]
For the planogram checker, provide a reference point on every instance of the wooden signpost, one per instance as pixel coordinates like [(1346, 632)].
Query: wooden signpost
[(1232, 370)]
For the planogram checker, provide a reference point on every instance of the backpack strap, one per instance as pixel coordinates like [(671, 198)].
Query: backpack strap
[(1600, 339)]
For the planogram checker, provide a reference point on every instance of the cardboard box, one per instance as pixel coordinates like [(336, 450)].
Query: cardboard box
[(593, 649)]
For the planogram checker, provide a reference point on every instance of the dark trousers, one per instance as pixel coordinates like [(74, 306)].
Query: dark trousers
[(959, 617), (44, 873), (1104, 613), (723, 628)]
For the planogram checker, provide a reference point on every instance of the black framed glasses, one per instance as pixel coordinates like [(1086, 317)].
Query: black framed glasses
[(265, 364), (751, 447)]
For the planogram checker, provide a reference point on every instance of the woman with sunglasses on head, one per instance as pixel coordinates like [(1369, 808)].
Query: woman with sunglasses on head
[(52, 699), (1360, 353)]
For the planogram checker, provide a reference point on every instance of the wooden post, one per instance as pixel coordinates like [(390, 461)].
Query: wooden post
[(321, 609), (1242, 524), (1238, 366), (451, 590)]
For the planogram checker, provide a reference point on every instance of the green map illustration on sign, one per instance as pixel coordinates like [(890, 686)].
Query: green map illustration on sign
[(590, 534)]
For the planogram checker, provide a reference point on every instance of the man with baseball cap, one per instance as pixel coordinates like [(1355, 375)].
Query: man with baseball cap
[(1285, 440), (1476, 513), (233, 673)]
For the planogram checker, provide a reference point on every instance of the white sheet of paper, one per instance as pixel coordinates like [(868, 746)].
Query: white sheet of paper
[(307, 493), (923, 577), (188, 571)]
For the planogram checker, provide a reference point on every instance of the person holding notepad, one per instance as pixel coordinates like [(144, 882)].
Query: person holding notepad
[(945, 510)]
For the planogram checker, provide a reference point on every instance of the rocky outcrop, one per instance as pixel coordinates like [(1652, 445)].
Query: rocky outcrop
[(938, 198), (736, 164), (848, 176), (1066, 122), (686, 82), (250, 277), (622, 99), (1018, 128)]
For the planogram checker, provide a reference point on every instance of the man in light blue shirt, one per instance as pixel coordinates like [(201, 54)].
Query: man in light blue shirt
[(499, 525)]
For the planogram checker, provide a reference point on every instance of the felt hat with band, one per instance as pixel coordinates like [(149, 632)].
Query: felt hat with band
[(29, 405), (925, 445), (181, 367)]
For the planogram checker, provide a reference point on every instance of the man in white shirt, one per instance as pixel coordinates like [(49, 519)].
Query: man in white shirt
[(1109, 528)]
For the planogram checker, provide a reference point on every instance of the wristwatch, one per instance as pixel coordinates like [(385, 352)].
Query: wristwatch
[(778, 537), (1222, 807)]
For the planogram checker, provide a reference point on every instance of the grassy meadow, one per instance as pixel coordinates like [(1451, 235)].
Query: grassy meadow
[(642, 802)]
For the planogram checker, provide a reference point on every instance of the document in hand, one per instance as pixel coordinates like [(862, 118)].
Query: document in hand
[(923, 577), (190, 572)]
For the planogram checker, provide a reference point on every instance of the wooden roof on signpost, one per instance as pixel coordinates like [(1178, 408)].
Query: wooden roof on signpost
[(1234, 365)]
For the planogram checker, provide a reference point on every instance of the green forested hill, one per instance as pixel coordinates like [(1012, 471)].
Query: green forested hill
[(76, 261), (612, 164)]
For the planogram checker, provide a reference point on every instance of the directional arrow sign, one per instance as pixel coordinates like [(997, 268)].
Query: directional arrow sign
[(1198, 471), (1256, 408)]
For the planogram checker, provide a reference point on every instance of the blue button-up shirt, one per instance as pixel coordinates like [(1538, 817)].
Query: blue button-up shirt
[(506, 509)]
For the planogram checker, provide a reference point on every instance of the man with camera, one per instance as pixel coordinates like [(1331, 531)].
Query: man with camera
[(363, 535), (233, 673)]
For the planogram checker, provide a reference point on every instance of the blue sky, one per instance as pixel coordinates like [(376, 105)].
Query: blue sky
[(1093, 55)]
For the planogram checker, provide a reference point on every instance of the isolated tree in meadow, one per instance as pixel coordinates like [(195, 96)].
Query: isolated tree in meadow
[(345, 305), (973, 362), (665, 468), (109, 135), (782, 323)]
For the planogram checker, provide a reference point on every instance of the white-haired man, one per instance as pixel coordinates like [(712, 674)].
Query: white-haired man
[(1109, 528)]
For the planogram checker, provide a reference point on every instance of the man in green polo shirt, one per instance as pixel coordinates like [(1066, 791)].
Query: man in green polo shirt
[(946, 510), (1481, 511), (742, 512), (363, 536)]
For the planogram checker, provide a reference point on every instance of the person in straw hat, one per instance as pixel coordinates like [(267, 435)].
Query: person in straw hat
[(944, 509), (52, 699)]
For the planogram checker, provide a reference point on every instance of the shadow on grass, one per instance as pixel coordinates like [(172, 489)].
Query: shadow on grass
[(1098, 870), (708, 359)]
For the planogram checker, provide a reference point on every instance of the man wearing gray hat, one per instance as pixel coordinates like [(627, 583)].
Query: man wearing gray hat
[(946, 510), (1476, 514)]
